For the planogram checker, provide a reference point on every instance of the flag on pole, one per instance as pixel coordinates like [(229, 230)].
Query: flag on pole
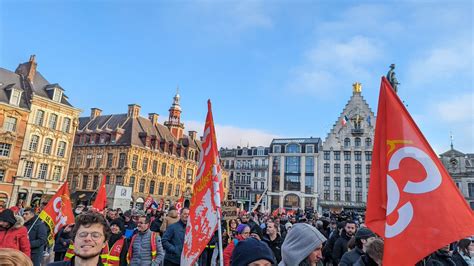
[(58, 212), (344, 120), (101, 199), (412, 201), (179, 204), (205, 202), (148, 202)]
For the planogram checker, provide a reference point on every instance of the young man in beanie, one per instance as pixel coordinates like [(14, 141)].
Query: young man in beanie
[(252, 252), (12, 232), (302, 246), (363, 237), (118, 244)]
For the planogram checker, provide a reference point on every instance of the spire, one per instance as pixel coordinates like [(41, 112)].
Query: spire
[(176, 99), (174, 120), (452, 139)]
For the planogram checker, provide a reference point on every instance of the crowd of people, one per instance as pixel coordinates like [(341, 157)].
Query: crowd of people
[(135, 237)]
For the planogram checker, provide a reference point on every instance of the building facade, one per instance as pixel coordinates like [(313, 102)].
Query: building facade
[(248, 173), (293, 168), (345, 159), (46, 143), (461, 168)]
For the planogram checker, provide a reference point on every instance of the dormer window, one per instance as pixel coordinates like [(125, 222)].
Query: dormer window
[(15, 97), (57, 95), (55, 92)]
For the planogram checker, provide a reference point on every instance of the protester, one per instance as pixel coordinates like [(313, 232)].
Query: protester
[(171, 218), (441, 257), (157, 222), (129, 224), (37, 234), (362, 238), (112, 215), (252, 252), (373, 254), (302, 246), (273, 240), (463, 255), (145, 247), (173, 239), (117, 244), (12, 232), (13, 257), (62, 241), (90, 235), (340, 247), (243, 232)]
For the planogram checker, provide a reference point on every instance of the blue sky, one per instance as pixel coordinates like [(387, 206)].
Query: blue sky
[(271, 68)]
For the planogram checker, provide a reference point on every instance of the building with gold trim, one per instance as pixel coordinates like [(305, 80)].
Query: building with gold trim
[(46, 137), (134, 151)]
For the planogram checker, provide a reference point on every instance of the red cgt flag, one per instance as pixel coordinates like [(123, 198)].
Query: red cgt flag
[(179, 204), (101, 199), (412, 201), (58, 212), (205, 202)]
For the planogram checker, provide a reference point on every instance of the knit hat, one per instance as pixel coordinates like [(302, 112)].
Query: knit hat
[(364, 233), (8, 216), (300, 241), (119, 223), (250, 250), (241, 228)]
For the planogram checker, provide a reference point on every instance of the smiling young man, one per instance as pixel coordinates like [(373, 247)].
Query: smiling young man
[(90, 235)]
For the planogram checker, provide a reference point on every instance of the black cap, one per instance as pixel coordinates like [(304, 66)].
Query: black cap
[(8, 216), (364, 233)]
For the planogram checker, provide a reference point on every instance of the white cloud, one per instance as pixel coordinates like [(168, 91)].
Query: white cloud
[(458, 109), (231, 136)]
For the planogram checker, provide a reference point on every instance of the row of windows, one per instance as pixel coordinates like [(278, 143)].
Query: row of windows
[(47, 146), (347, 182), (293, 148), (42, 171), (347, 195), (347, 168), (347, 155), (262, 185), (53, 121), (357, 142)]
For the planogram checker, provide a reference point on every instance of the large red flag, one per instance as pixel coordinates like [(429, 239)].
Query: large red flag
[(205, 202), (101, 199), (58, 212), (412, 201)]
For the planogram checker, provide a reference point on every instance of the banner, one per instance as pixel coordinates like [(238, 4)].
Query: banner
[(101, 199), (412, 201), (207, 192), (229, 210), (58, 212), (179, 204)]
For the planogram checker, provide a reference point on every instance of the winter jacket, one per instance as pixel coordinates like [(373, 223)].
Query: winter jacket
[(38, 235), (141, 249), (329, 247), (170, 219), (351, 257), (173, 241), (340, 247), (156, 225), (459, 260), (365, 260), (440, 258), (61, 238), (16, 237), (230, 248), (275, 246)]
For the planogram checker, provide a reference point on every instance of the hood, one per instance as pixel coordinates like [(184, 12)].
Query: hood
[(173, 214), (19, 221)]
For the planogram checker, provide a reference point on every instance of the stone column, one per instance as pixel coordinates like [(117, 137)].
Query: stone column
[(282, 179)]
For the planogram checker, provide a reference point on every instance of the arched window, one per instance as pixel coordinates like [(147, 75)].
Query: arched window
[(152, 187), (357, 142), (141, 188), (368, 142), (293, 148), (347, 143)]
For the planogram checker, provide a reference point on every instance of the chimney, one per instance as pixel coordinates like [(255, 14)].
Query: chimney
[(133, 110), (153, 118), (192, 134), (28, 69), (95, 112)]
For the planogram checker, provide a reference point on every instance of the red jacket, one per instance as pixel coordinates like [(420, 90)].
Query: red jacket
[(229, 249), (16, 237)]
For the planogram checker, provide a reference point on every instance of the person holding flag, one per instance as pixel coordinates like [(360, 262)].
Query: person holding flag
[(37, 234), (412, 203)]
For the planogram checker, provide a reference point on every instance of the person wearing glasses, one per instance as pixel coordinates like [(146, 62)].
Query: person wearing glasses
[(243, 232), (90, 235), (145, 247), (37, 234)]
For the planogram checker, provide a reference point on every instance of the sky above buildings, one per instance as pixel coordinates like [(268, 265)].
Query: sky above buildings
[(271, 68)]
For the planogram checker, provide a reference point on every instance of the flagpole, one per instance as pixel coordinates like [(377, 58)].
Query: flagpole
[(37, 217), (219, 234)]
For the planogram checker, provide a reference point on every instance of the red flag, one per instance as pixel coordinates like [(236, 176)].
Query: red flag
[(149, 200), (412, 201), (101, 199), (205, 202), (58, 212), (179, 204)]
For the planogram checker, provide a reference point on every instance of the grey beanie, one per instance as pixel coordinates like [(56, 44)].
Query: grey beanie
[(300, 241)]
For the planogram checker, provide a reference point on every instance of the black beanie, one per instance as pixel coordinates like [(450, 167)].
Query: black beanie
[(250, 250), (364, 233), (119, 223), (8, 216)]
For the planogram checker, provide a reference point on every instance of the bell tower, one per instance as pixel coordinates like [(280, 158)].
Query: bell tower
[(174, 120)]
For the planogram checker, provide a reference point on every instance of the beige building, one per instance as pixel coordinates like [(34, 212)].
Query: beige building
[(48, 135)]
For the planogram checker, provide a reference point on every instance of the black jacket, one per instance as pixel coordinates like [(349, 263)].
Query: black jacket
[(329, 246), (275, 246), (70, 263), (365, 260), (155, 225), (440, 258), (60, 238), (38, 235), (340, 247), (457, 258), (351, 257)]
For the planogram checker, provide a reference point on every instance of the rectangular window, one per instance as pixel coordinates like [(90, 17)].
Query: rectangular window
[(163, 169), (131, 183), (57, 173), (161, 187), (66, 124), (15, 97), (262, 185), (347, 181), (255, 185), (337, 181), (180, 172), (98, 161), (309, 165), (367, 182), (337, 195), (177, 190), (170, 189), (43, 171), (10, 124), (337, 155), (61, 149), (277, 149), (154, 168), (470, 190), (326, 168), (357, 155), (368, 156), (33, 143), (53, 119), (309, 148), (89, 160), (39, 117), (2, 175), (151, 189), (134, 162), (172, 170), (327, 194), (292, 164), (348, 196), (189, 176), (347, 169), (5, 149), (78, 160), (358, 168), (95, 182), (358, 183), (145, 165), (367, 169), (327, 181), (327, 155), (119, 180), (85, 180), (359, 196), (107, 179), (110, 159), (347, 155), (337, 168), (48, 143), (28, 169), (121, 162)]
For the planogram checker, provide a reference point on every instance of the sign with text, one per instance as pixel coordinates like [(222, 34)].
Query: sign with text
[(229, 210)]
